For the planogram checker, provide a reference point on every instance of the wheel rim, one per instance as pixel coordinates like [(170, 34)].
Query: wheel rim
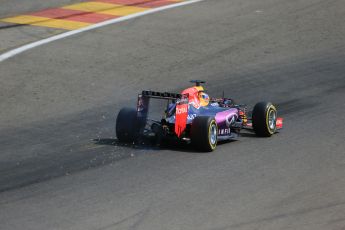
[(272, 118), (213, 134)]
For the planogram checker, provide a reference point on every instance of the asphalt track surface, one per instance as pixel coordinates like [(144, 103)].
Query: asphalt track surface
[(62, 168)]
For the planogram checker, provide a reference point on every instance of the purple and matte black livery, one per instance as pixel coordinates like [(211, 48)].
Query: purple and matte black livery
[(194, 117)]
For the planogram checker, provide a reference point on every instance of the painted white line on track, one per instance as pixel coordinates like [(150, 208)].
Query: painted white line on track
[(29, 46)]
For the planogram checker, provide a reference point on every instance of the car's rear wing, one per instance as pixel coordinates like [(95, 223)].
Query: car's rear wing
[(143, 104), (181, 105), (145, 96), (160, 95)]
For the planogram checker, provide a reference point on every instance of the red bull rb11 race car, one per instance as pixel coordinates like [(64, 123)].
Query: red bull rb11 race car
[(193, 117)]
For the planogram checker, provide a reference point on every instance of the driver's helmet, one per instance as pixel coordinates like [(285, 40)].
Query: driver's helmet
[(204, 99)]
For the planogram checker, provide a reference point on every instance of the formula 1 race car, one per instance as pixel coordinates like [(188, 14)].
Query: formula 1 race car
[(192, 116)]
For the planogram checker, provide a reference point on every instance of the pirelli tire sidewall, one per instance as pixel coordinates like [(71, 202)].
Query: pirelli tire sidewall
[(261, 122), (204, 131)]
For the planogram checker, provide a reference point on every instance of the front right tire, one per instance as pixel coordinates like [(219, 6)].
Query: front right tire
[(264, 118)]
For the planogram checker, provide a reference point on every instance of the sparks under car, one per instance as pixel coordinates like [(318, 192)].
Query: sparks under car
[(192, 116)]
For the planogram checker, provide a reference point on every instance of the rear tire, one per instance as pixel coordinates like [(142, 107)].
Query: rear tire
[(264, 119), (126, 125), (204, 133)]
